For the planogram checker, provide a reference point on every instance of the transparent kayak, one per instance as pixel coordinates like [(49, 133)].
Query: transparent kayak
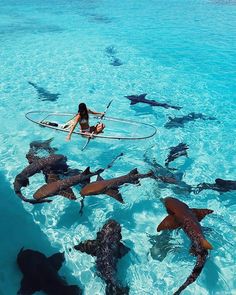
[(116, 128)]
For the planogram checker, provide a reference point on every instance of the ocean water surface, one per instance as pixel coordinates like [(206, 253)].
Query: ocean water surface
[(56, 54)]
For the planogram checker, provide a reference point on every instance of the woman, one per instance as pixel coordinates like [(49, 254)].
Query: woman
[(83, 119)]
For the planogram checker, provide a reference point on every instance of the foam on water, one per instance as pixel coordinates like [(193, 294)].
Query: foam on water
[(179, 52)]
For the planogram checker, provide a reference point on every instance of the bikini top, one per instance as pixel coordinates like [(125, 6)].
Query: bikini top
[(83, 121)]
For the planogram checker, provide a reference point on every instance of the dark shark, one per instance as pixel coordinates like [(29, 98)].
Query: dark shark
[(220, 185), (110, 187), (107, 248), (176, 152), (41, 274), (164, 175), (142, 99)]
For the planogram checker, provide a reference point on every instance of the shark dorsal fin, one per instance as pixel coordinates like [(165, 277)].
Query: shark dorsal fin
[(143, 95), (99, 178), (56, 260), (134, 171), (86, 171)]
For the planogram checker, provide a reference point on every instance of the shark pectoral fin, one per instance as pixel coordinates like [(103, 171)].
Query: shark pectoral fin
[(206, 245), (56, 260), (123, 250), (133, 102), (90, 247), (114, 193), (201, 213), (169, 222), (99, 178), (27, 287), (68, 193)]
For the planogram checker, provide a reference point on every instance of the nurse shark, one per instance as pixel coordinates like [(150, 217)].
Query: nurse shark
[(108, 249), (181, 216), (220, 185), (142, 99), (110, 187)]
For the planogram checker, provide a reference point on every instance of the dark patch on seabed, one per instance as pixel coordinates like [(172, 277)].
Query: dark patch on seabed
[(111, 54), (99, 18), (28, 28), (19, 230)]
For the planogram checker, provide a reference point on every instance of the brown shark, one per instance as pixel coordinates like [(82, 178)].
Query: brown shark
[(110, 186), (181, 216), (60, 186)]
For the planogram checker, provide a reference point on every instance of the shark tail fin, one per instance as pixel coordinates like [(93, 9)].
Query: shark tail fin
[(206, 245)]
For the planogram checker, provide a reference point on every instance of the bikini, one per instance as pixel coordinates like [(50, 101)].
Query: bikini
[(84, 121)]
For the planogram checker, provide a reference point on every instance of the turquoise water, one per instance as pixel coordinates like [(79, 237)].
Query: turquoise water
[(180, 52)]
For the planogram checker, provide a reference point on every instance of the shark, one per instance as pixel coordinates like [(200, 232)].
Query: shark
[(181, 216), (142, 99), (40, 273), (110, 187), (220, 185), (108, 249)]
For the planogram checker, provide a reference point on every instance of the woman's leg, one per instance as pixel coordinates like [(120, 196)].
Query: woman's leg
[(99, 128)]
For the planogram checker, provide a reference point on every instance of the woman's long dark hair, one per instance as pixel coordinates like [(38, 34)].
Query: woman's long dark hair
[(82, 110)]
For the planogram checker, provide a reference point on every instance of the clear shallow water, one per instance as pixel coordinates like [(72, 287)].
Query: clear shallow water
[(180, 52)]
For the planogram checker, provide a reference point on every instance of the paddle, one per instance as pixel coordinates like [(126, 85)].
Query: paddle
[(91, 135)]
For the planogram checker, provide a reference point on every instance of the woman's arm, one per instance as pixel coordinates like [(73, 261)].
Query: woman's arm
[(76, 120), (94, 113)]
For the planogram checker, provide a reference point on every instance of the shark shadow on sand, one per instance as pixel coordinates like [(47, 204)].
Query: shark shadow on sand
[(180, 121), (44, 94)]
